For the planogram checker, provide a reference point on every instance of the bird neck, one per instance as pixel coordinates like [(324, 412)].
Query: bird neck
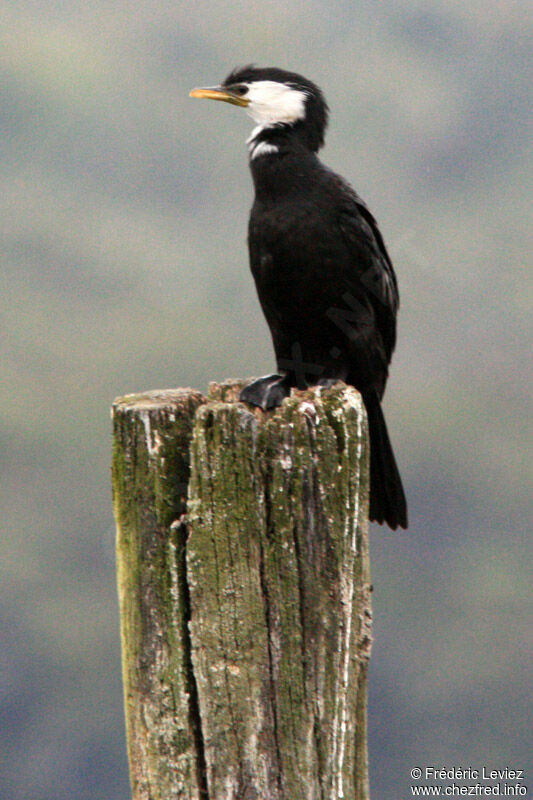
[(270, 138), (279, 159)]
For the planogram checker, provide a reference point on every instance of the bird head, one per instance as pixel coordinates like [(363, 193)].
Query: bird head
[(275, 98)]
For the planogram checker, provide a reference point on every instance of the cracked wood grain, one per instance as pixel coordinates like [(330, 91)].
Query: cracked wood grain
[(252, 612)]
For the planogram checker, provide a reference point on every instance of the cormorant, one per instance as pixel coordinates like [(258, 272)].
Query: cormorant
[(323, 275)]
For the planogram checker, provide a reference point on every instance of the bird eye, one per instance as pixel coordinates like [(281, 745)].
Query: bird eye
[(239, 88)]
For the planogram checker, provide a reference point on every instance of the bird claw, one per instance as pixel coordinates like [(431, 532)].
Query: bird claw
[(266, 392)]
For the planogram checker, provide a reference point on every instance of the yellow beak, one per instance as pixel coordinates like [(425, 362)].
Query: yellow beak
[(219, 93)]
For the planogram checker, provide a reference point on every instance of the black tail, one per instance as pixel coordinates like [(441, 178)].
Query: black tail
[(387, 498)]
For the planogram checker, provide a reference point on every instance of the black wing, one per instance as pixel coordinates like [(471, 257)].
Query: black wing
[(375, 271)]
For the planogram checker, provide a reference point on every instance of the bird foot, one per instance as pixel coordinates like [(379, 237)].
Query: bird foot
[(266, 392)]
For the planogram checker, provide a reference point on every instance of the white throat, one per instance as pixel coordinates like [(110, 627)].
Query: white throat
[(256, 148), (262, 149)]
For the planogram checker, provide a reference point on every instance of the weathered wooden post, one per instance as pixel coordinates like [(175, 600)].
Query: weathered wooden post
[(244, 592)]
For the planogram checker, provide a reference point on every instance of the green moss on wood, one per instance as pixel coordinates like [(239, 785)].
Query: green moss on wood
[(246, 626), (150, 476), (277, 514)]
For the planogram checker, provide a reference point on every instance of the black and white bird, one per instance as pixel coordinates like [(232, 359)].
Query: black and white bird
[(323, 275)]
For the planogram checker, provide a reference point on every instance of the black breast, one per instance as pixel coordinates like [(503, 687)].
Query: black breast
[(315, 260)]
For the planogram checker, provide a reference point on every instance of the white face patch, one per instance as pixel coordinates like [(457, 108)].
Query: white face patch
[(272, 103)]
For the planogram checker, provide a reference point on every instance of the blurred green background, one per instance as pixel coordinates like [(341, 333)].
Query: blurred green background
[(124, 268)]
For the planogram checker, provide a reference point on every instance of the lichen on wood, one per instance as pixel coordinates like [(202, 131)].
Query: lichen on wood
[(150, 477), (253, 612)]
